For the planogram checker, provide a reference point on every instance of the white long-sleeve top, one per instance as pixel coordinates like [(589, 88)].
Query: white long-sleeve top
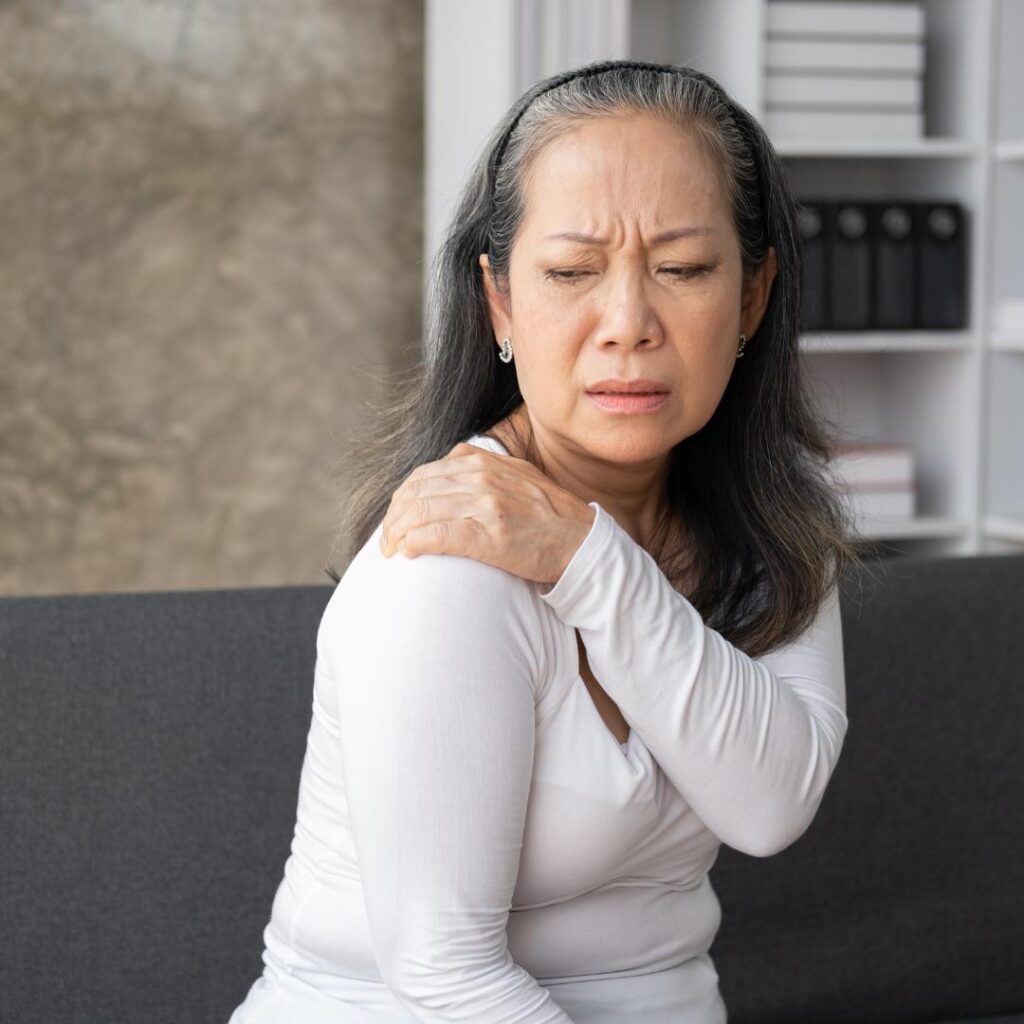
[(472, 842)]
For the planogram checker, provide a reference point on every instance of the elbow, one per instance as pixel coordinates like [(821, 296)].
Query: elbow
[(781, 825), (770, 842), (778, 828)]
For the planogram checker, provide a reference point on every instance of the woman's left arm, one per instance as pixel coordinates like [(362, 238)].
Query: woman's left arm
[(751, 743)]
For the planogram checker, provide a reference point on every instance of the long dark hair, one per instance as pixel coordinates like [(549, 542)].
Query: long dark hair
[(768, 536)]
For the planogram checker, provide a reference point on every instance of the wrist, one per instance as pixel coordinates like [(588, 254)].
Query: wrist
[(581, 526)]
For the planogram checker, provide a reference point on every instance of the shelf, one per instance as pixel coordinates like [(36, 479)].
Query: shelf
[(924, 148), (839, 342), (1009, 150), (1008, 528), (908, 529)]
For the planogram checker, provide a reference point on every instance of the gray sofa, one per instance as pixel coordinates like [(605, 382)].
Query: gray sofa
[(151, 745)]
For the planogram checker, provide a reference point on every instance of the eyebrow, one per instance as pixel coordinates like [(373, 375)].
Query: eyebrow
[(665, 236)]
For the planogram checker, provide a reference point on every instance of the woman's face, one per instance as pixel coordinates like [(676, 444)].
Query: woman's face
[(648, 286)]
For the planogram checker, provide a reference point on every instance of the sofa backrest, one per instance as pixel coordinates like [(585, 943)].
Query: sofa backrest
[(151, 745)]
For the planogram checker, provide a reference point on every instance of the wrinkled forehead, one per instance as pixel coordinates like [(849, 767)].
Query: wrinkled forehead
[(623, 173)]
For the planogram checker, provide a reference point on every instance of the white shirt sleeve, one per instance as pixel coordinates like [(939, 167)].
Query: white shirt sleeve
[(750, 743), (436, 662)]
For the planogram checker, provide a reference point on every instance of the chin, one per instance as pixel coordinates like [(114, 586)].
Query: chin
[(632, 445)]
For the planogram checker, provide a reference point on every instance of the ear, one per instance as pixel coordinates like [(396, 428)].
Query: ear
[(497, 307), (756, 294)]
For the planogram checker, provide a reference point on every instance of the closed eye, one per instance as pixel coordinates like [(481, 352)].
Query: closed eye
[(684, 273), (564, 275)]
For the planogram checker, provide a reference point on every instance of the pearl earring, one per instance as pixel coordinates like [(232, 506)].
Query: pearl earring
[(506, 351), (743, 345)]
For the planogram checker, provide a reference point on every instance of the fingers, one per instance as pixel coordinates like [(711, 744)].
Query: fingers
[(406, 517), (467, 482), (442, 477), (440, 537)]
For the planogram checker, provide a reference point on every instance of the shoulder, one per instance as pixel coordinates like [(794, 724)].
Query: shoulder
[(464, 590), (416, 603), (463, 585), (823, 635)]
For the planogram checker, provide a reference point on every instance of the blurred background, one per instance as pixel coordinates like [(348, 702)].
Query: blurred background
[(212, 216), (217, 217)]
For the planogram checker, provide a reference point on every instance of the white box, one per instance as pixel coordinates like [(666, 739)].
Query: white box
[(870, 506), (840, 56), (1008, 315), (900, 20), (808, 91), (872, 465), (791, 125)]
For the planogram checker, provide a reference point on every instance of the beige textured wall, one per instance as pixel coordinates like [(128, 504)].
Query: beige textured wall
[(210, 237)]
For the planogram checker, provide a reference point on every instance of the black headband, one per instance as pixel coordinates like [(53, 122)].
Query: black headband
[(567, 76)]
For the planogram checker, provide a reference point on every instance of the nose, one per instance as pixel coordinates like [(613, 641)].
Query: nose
[(628, 315)]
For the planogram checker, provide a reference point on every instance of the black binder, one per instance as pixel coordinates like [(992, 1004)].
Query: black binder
[(849, 245), (811, 228), (942, 266), (895, 264)]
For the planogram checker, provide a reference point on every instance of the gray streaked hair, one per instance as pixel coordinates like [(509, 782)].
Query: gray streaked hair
[(768, 536)]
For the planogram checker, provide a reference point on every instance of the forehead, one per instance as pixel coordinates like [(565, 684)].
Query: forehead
[(635, 166)]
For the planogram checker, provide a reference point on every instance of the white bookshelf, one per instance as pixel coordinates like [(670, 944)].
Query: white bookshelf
[(956, 398)]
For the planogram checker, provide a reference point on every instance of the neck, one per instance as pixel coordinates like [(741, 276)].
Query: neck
[(632, 493)]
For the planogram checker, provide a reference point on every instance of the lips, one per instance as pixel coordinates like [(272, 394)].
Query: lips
[(629, 401), (640, 386)]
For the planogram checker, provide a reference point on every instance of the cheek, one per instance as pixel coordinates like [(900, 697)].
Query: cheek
[(550, 360), (553, 318), (706, 366), (719, 303), (547, 368), (709, 342), (551, 331)]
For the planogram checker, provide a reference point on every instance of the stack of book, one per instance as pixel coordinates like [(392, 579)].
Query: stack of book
[(844, 70), (875, 480)]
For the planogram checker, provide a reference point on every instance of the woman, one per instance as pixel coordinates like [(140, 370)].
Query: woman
[(585, 638)]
